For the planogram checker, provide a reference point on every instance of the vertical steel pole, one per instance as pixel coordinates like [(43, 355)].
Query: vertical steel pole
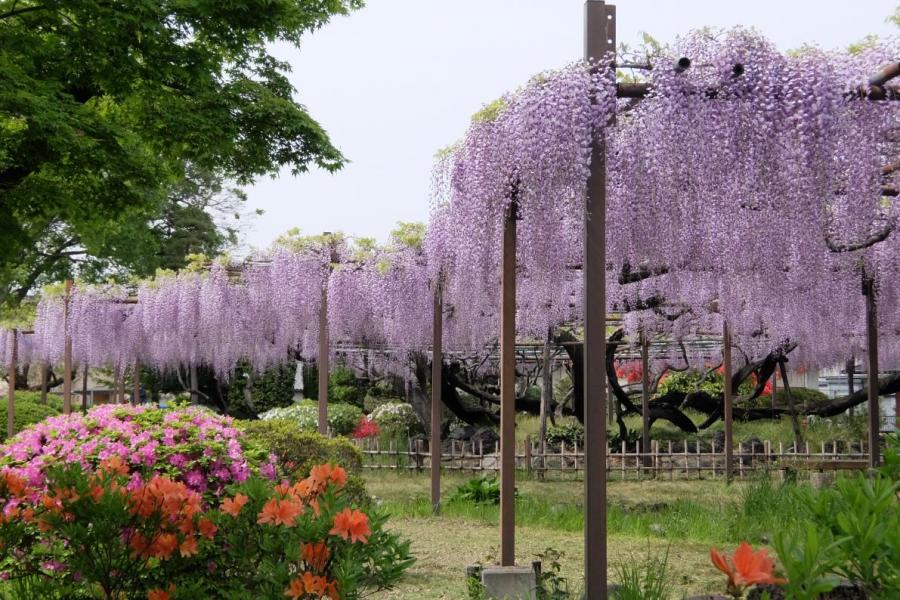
[(599, 42), (645, 398), (437, 361), (872, 371), (324, 368), (727, 417), (67, 352), (11, 394), (508, 389)]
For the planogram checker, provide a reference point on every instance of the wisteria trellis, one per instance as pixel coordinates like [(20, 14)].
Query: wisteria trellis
[(739, 199)]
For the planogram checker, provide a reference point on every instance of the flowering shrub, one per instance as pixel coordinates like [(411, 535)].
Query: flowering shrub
[(115, 533), (342, 418), (188, 445), (393, 418), (366, 428)]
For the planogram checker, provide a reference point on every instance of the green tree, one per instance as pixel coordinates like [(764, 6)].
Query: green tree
[(104, 106)]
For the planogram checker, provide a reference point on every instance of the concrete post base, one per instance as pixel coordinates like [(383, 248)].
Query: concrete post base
[(509, 583)]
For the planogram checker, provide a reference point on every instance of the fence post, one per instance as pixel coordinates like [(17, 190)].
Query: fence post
[(528, 454)]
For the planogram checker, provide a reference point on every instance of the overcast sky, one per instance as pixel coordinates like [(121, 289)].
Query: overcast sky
[(399, 79)]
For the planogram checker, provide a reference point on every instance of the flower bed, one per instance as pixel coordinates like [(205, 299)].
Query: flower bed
[(136, 502), (189, 445)]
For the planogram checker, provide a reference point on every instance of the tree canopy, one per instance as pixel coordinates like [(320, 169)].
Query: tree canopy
[(104, 106)]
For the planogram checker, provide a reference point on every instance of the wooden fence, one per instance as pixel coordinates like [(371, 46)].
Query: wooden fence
[(666, 459)]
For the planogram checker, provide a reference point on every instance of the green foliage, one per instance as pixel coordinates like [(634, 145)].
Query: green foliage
[(551, 585), (408, 235), (344, 388), (644, 580), (848, 531), (478, 490), (29, 410), (272, 388), (491, 111), (807, 557), (571, 433), (395, 419), (298, 451), (104, 105)]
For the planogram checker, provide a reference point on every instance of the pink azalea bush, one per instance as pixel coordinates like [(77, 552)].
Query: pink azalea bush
[(189, 445)]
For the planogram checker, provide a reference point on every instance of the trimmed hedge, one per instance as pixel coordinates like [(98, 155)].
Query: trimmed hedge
[(29, 410), (298, 451)]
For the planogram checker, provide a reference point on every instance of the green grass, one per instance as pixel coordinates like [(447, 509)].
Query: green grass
[(684, 518)]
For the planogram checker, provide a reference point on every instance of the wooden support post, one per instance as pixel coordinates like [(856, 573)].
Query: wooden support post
[(84, 389), (323, 360), (726, 359), (508, 386), (136, 383), (45, 381), (11, 392), (67, 352), (599, 43), (872, 371), (437, 406), (120, 386), (546, 396), (195, 384), (645, 398)]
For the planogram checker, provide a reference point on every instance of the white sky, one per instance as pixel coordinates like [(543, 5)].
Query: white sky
[(400, 79)]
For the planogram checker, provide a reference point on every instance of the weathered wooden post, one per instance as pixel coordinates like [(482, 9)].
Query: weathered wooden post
[(600, 42), (67, 352), (11, 393), (645, 398), (727, 416), (324, 344), (872, 371), (508, 386), (136, 383), (437, 360)]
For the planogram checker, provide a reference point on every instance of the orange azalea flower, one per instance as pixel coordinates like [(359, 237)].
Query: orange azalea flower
[(746, 568), (352, 525), (114, 464), (14, 483), (314, 584), (188, 546), (233, 506), (316, 555), (28, 515), (207, 528), (164, 545), (280, 512), (295, 589), (158, 594), (283, 489), (328, 473)]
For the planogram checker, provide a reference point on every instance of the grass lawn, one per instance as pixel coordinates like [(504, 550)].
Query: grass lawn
[(646, 518)]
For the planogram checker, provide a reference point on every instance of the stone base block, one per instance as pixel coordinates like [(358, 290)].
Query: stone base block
[(821, 480), (509, 583)]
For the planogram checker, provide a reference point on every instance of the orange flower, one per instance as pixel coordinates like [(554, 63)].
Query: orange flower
[(158, 594), (14, 483), (280, 512), (746, 568), (326, 473), (315, 555), (114, 464), (207, 528), (352, 525), (233, 506), (188, 546), (164, 545), (295, 589)]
